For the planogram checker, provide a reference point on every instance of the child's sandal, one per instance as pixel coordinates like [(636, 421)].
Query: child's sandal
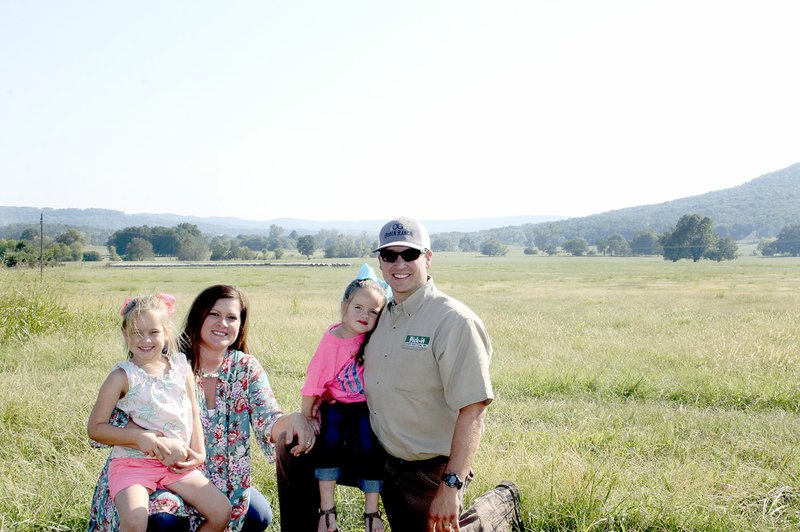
[(327, 514), (372, 516)]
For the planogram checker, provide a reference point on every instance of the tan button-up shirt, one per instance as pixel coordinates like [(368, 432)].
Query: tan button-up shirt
[(427, 358)]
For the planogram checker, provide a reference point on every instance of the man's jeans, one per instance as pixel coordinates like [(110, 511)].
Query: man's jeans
[(408, 490)]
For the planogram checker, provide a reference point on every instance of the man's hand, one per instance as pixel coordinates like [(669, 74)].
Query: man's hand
[(444, 511)]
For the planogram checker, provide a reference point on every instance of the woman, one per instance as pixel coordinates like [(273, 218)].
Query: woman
[(233, 395)]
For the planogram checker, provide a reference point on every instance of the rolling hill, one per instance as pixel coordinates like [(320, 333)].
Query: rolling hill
[(760, 207)]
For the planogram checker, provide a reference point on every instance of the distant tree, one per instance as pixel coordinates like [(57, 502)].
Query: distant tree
[(645, 243), (443, 243), (278, 253), (577, 246), (15, 258), (347, 246), (327, 238), (139, 249), (7, 246), (306, 246), (276, 239), (219, 251), (113, 256), (724, 248), (469, 244), (245, 253), (601, 243), (71, 236), (56, 252), (76, 251), (193, 248), (737, 231), (29, 234), (788, 241), (618, 246), (120, 239), (493, 248), (91, 256), (547, 237), (192, 245), (166, 241), (690, 239), (530, 251), (254, 242), (276, 231)]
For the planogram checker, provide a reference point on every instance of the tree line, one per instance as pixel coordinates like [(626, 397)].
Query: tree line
[(693, 237), (31, 246)]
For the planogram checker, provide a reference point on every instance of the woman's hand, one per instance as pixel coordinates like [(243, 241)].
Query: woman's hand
[(193, 461), (151, 445), (296, 425)]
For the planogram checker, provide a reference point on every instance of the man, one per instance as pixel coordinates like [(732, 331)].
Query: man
[(427, 385)]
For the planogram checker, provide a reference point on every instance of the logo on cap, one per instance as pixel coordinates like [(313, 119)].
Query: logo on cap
[(398, 229)]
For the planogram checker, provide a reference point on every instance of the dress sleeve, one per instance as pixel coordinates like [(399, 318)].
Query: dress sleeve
[(264, 409)]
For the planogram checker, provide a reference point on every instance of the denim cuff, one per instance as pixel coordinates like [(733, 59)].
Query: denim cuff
[(370, 486), (327, 473)]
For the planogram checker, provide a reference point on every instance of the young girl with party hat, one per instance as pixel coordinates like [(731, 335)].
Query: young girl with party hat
[(155, 387), (337, 370)]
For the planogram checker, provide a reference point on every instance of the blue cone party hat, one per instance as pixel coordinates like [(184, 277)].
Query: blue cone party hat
[(366, 272)]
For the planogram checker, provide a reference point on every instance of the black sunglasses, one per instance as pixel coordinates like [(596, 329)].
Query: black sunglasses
[(409, 255)]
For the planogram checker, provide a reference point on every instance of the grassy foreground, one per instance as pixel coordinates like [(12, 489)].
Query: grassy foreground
[(631, 393)]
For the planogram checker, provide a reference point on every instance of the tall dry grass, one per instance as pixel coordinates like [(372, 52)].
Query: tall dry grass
[(631, 393)]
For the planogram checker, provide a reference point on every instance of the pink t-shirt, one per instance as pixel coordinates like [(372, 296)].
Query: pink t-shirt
[(333, 368)]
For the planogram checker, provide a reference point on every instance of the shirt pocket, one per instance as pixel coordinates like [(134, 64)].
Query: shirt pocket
[(415, 371)]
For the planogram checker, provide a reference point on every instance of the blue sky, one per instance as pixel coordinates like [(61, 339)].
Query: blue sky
[(357, 110)]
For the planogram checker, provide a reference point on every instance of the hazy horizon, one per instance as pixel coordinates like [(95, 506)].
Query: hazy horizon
[(361, 110)]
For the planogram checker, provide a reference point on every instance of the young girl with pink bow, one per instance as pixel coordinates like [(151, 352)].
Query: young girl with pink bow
[(155, 387)]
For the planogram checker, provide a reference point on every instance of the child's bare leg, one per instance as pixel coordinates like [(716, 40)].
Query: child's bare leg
[(199, 492), (327, 501), (372, 518), (132, 504)]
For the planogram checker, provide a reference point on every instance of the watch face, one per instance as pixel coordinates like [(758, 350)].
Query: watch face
[(451, 480)]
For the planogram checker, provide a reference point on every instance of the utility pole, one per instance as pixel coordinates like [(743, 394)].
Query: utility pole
[(41, 246)]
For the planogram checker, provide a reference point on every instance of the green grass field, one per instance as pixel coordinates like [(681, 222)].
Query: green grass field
[(631, 393)]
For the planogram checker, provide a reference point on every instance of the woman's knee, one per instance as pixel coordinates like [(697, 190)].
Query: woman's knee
[(164, 522), (259, 514)]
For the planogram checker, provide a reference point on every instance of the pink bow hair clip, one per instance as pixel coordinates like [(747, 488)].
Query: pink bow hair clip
[(126, 305), (169, 301)]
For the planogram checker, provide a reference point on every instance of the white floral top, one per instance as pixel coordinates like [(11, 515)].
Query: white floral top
[(157, 403), (244, 401)]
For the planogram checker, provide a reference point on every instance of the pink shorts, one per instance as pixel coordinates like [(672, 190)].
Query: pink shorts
[(149, 472)]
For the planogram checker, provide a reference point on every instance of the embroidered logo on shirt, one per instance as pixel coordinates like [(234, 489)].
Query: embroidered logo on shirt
[(419, 343)]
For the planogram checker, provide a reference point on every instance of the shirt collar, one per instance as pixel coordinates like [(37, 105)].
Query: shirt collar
[(414, 301)]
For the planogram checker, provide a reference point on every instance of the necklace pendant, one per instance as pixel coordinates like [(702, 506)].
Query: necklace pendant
[(205, 375)]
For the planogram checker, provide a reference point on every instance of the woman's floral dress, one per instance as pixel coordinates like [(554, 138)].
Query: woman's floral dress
[(244, 400)]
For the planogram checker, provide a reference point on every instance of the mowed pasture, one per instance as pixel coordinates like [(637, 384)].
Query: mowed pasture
[(631, 393)]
